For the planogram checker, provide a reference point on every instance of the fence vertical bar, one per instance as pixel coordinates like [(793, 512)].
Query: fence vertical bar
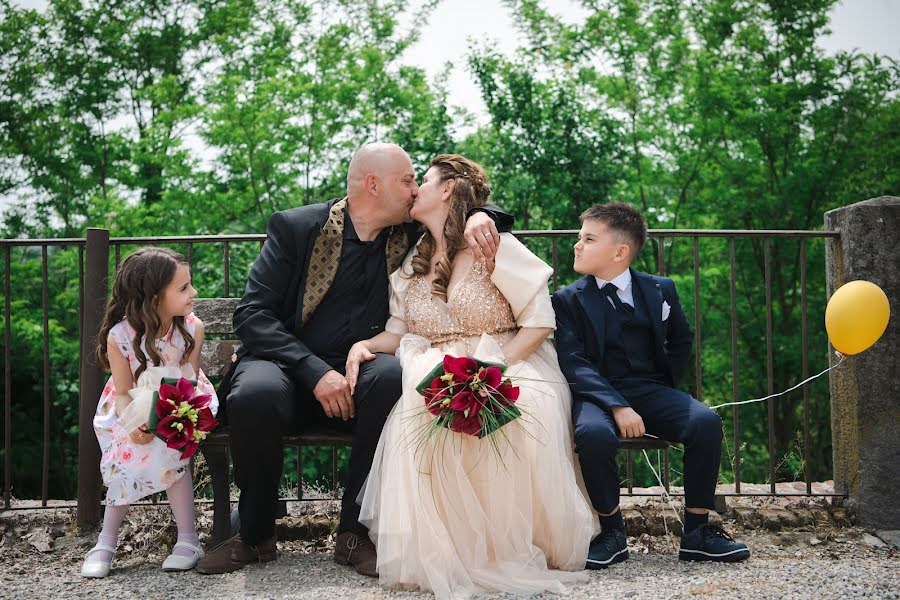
[(735, 389), (555, 246), (45, 315), (770, 367), (334, 470), (698, 350), (629, 470), (299, 473), (80, 304), (665, 467), (226, 267), (807, 472), (95, 286), (7, 383), (661, 266)]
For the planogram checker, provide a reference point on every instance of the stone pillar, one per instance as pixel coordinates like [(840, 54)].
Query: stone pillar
[(865, 391)]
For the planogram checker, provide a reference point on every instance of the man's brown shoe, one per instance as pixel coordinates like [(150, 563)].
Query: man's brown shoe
[(234, 554), (356, 551)]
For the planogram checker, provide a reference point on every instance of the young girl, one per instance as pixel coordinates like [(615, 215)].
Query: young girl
[(148, 322)]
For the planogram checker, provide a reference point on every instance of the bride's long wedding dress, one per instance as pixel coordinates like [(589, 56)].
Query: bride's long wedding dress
[(460, 515)]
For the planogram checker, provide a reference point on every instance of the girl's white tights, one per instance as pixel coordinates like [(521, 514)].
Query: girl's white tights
[(181, 499), (109, 535)]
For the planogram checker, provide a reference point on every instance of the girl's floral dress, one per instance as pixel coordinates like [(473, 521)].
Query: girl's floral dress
[(134, 471)]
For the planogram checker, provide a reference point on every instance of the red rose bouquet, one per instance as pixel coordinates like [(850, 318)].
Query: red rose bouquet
[(180, 416), (469, 396)]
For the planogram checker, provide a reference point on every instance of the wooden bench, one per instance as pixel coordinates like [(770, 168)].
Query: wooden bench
[(216, 314), (220, 345)]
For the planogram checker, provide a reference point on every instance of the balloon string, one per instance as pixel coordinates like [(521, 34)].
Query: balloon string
[(665, 492), (805, 381)]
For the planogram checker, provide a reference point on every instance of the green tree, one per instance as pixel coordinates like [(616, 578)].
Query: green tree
[(101, 110), (550, 152), (733, 117), (95, 98), (200, 116)]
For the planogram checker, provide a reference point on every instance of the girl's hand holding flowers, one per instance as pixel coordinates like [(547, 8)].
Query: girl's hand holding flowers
[(141, 435)]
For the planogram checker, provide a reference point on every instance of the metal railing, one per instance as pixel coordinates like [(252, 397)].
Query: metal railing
[(93, 280)]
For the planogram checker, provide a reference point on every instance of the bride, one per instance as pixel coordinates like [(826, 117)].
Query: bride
[(453, 513)]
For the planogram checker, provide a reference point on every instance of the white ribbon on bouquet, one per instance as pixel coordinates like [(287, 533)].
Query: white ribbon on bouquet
[(135, 414)]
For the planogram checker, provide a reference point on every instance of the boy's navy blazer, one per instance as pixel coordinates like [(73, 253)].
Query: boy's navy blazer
[(581, 327)]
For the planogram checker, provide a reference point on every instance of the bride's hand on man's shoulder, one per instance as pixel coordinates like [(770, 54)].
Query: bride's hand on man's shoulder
[(466, 259), (481, 236)]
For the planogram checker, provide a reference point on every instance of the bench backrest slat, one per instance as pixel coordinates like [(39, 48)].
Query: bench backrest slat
[(216, 315)]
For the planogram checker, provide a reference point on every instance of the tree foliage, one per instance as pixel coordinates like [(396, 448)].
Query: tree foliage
[(169, 117)]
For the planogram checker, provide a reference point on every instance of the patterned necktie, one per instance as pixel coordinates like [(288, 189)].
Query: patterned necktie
[(326, 256), (610, 291)]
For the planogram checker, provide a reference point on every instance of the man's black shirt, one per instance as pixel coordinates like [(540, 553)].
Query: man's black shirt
[(356, 306)]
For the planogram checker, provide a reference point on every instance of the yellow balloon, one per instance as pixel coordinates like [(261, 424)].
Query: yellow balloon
[(856, 316)]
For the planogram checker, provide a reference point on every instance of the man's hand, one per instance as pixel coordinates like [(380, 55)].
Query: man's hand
[(358, 354), (630, 424), (333, 393), (481, 236)]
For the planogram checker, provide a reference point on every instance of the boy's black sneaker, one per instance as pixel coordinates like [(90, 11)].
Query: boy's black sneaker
[(608, 548), (711, 542)]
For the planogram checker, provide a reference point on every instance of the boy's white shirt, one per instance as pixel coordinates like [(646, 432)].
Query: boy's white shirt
[(624, 289)]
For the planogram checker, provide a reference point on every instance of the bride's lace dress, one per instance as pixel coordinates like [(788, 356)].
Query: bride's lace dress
[(450, 514)]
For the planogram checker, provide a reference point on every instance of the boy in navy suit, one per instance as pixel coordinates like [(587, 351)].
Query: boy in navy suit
[(624, 344)]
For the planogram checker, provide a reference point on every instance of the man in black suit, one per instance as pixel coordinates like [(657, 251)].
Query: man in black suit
[(624, 344), (320, 284)]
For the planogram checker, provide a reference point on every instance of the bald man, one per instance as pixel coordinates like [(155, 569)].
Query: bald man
[(319, 285)]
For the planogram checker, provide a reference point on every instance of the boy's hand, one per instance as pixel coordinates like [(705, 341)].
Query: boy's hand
[(141, 435), (630, 424)]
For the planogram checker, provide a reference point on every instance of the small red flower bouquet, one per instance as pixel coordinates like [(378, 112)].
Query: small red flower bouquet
[(469, 396), (180, 416)]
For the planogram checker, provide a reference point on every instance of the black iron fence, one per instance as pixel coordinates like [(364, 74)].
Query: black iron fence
[(98, 256)]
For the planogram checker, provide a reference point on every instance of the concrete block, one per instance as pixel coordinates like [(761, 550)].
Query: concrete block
[(864, 391)]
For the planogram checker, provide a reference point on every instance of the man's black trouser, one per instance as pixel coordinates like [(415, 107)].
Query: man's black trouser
[(264, 404)]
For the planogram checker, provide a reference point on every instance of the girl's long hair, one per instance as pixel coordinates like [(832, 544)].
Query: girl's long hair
[(471, 189), (136, 294)]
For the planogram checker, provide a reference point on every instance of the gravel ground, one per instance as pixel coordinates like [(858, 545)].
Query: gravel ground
[(837, 563)]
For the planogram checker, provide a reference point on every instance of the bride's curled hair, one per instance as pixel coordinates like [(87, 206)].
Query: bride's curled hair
[(471, 189)]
